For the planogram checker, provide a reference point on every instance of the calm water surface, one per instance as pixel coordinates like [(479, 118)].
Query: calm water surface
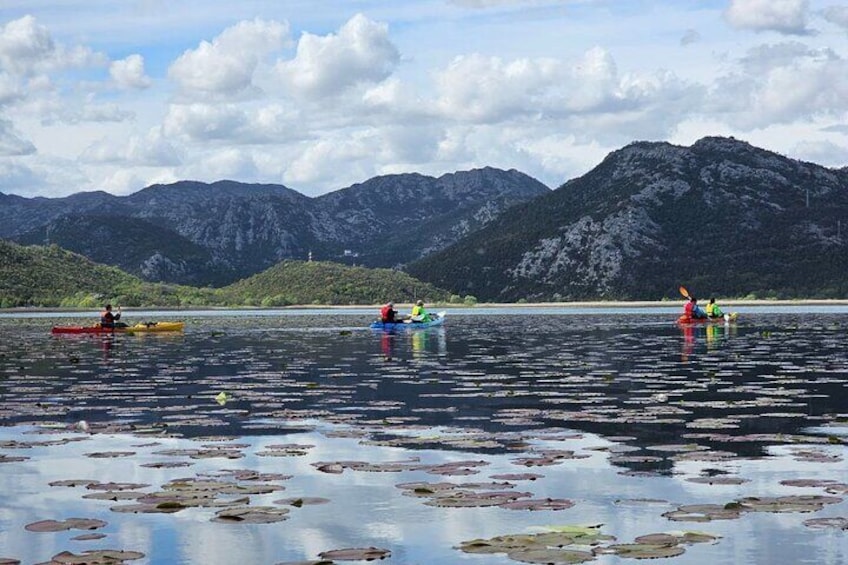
[(622, 414)]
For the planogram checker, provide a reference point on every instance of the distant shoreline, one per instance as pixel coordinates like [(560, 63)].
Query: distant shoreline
[(505, 305)]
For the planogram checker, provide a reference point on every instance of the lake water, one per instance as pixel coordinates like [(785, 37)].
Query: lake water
[(501, 422)]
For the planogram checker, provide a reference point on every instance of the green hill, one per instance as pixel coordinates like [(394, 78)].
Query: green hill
[(53, 277), (299, 282)]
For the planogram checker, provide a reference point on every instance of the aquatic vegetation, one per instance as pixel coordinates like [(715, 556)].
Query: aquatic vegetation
[(465, 434), (68, 524)]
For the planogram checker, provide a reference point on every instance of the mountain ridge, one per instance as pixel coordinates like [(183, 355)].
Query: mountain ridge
[(246, 228), (725, 216)]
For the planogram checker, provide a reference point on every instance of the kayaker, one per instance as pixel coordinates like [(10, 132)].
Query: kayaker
[(419, 313), (388, 314), (713, 311), (692, 310), (110, 320)]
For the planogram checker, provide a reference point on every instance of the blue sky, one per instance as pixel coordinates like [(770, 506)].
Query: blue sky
[(319, 95)]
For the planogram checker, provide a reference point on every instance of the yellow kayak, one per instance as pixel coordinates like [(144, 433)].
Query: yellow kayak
[(141, 327)]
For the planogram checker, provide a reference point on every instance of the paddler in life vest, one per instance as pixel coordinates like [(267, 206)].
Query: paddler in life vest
[(110, 320), (388, 314), (419, 314), (713, 311), (692, 310)]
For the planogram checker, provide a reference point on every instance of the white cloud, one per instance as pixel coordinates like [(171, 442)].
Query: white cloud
[(11, 142), (782, 83), (30, 177), (232, 123), (477, 4), (361, 52), (225, 67), (837, 15), (24, 45), (94, 112), (783, 16), (544, 86), (590, 99), (230, 163), (128, 73), (487, 89), (202, 122), (151, 150), (691, 36), (10, 90), (319, 162), (27, 48), (823, 152)]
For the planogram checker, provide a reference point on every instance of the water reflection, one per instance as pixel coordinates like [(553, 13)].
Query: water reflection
[(419, 344), (712, 335), (629, 397)]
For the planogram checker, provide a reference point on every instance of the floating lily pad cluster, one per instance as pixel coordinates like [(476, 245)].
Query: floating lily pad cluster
[(666, 406), (577, 544), (734, 509)]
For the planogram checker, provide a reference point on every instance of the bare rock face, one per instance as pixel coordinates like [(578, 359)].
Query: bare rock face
[(199, 233), (722, 216)]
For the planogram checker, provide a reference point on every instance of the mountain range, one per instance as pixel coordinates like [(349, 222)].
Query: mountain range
[(213, 234), (720, 216)]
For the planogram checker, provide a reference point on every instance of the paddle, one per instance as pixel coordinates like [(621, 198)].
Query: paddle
[(684, 292)]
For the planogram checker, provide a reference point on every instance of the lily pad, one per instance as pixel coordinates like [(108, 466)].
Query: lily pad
[(551, 556), (835, 522), (704, 513), (538, 504), (302, 501), (251, 515), (88, 537), (69, 524), (518, 476), (96, 557), (642, 550), (802, 503), (719, 480), (355, 554)]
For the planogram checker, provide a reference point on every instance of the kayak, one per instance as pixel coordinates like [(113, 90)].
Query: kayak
[(437, 321), (137, 328), (727, 318)]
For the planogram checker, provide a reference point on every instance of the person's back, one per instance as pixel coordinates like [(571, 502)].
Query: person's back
[(388, 313), (107, 318), (419, 314), (713, 311), (692, 310)]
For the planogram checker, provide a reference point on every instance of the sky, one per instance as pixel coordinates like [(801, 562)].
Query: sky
[(322, 94)]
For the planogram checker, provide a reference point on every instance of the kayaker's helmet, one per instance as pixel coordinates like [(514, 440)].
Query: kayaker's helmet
[(420, 303), (391, 303), (108, 307)]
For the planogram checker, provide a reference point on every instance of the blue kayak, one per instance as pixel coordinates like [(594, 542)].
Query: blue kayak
[(437, 321)]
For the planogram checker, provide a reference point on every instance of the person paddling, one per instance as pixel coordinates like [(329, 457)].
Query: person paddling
[(110, 320), (419, 313), (692, 310), (388, 314), (713, 310)]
